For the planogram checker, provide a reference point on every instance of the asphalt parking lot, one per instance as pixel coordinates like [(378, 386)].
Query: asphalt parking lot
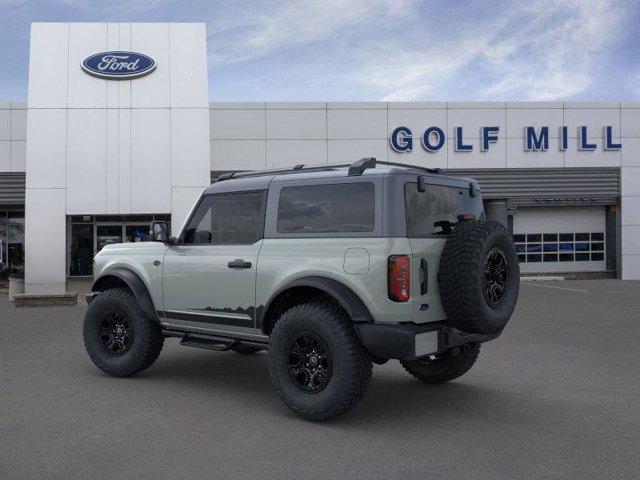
[(556, 396)]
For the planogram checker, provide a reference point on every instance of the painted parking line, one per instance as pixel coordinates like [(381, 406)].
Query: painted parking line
[(557, 288)]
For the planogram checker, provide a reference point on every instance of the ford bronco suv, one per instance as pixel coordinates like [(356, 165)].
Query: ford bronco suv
[(328, 268)]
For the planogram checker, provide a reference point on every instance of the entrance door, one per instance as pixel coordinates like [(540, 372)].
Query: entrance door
[(81, 252), (107, 234), (209, 276)]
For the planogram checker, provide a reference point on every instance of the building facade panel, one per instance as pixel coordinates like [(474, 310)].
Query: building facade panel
[(630, 214), (238, 155), (343, 124), (5, 156), (18, 156), (5, 123), (86, 181), (45, 242), (47, 148), (296, 124), (152, 91), (630, 154), (288, 153), (189, 147), (83, 90), (48, 62), (237, 124), (188, 56), (124, 160), (18, 124), (150, 160), (344, 151), (630, 122)]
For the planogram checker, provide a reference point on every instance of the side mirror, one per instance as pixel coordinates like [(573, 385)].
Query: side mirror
[(159, 232)]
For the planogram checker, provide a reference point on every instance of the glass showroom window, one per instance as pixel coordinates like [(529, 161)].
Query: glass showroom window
[(560, 247), (91, 233), (11, 243)]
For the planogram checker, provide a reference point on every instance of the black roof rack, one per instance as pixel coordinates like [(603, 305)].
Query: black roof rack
[(356, 168), (278, 171), (226, 176), (415, 167)]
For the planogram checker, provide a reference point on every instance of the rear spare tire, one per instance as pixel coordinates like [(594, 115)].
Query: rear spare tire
[(479, 277)]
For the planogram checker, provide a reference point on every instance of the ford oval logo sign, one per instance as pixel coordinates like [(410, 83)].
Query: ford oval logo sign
[(118, 65)]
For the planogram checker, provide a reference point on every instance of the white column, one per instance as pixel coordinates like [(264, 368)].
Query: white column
[(630, 199)]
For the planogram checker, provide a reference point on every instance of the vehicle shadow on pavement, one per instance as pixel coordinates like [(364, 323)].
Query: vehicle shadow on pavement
[(393, 396)]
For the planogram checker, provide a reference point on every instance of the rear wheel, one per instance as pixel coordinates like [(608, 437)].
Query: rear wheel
[(119, 338), (318, 366), (447, 367)]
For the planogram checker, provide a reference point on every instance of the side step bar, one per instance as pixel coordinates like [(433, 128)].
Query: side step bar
[(210, 342)]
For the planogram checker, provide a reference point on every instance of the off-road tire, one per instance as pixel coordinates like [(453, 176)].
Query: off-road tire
[(351, 363), (445, 368), (246, 349), (147, 335), (461, 276)]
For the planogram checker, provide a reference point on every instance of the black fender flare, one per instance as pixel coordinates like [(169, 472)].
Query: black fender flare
[(135, 284), (347, 298)]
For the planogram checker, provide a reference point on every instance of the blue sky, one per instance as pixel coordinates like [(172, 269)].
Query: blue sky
[(363, 50)]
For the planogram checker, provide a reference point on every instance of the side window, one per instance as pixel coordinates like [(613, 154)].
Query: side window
[(344, 207), (227, 219)]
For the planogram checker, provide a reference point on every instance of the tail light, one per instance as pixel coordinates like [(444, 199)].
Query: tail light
[(399, 278)]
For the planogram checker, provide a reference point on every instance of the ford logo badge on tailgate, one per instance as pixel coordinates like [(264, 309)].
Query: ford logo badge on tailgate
[(118, 65)]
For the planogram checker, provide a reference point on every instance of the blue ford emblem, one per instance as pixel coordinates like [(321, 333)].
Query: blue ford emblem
[(118, 65)]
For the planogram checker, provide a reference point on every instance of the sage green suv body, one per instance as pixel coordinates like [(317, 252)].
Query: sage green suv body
[(363, 241)]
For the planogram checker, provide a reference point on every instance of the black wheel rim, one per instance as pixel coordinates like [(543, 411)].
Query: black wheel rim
[(309, 362), (496, 276), (116, 333)]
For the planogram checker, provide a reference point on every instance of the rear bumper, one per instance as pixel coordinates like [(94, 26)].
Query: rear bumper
[(409, 341)]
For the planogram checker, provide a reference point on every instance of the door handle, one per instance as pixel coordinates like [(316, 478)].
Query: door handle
[(239, 263), (424, 281)]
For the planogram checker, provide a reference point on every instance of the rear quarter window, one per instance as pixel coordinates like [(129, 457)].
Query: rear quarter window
[(336, 208), (438, 203)]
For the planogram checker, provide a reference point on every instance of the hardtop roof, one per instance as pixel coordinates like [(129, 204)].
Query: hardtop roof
[(260, 179)]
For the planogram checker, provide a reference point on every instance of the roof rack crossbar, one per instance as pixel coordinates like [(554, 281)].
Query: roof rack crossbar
[(358, 167), (276, 171), (226, 176), (417, 167)]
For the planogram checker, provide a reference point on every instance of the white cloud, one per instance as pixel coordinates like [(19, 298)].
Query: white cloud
[(548, 50), (259, 29)]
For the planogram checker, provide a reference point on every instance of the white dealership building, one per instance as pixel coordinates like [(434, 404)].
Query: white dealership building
[(118, 129)]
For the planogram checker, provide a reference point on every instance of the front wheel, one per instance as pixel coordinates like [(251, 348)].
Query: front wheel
[(119, 338), (445, 368), (318, 366)]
